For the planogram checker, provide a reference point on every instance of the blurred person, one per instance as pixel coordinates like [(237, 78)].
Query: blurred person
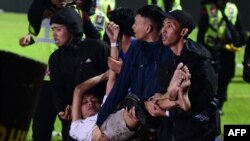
[(100, 20), (246, 61), (222, 33), (96, 17), (88, 6), (39, 15), (75, 61), (86, 9), (106, 6), (166, 5), (196, 123)]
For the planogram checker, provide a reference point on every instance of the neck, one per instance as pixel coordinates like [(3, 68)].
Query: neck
[(70, 41), (177, 48), (125, 43), (154, 36)]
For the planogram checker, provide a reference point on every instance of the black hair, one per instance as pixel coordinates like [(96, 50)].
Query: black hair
[(98, 91), (92, 92), (154, 13), (124, 17), (70, 18)]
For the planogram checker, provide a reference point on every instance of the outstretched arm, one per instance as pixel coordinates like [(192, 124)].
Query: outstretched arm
[(80, 90), (112, 31)]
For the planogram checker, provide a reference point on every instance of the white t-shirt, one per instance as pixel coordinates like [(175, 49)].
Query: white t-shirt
[(81, 129)]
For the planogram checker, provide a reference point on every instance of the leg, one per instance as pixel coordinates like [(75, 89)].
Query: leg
[(65, 130), (176, 81), (44, 116), (183, 101)]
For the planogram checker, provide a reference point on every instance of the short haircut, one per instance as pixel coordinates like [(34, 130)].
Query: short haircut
[(154, 13), (124, 17), (96, 91)]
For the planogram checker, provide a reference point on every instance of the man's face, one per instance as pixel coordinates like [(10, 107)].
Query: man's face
[(90, 106), (140, 27), (171, 32), (61, 34), (59, 3)]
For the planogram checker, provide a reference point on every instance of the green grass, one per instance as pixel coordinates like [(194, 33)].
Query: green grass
[(236, 110), (13, 26)]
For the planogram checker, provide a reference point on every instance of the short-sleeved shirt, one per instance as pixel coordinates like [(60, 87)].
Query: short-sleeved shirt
[(82, 129)]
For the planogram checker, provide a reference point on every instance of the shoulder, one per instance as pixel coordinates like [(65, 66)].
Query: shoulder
[(198, 49), (93, 44), (54, 55), (133, 47)]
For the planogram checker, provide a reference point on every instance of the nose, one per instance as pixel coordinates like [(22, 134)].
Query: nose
[(163, 30), (91, 103), (133, 26)]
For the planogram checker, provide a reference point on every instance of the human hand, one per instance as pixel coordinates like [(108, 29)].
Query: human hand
[(112, 31), (26, 40), (114, 65), (153, 109), (105, 75), (66, 115)]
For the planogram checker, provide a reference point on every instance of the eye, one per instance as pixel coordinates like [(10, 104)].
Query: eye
[(84, 102), (94, 100)]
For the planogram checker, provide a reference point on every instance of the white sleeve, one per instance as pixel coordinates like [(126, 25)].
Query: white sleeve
[(167, 113), (81, 130)]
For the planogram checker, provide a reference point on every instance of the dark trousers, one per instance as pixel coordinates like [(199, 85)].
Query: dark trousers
[(226, 73), (45, 115), (65, 130)]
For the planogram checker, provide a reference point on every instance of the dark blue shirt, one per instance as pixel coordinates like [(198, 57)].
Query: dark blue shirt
[(139, 72)]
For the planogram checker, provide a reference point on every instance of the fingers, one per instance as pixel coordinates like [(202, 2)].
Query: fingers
[(112, 31), (180, 66), (111, 59), (24, 41), (113, 26), (66, 115), (153, 109)]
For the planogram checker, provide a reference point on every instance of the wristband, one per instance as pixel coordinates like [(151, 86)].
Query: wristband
[(167, 113), (114, 44)]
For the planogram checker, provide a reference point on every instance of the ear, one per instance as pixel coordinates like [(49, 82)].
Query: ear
[(149, 28), (184, 32)]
